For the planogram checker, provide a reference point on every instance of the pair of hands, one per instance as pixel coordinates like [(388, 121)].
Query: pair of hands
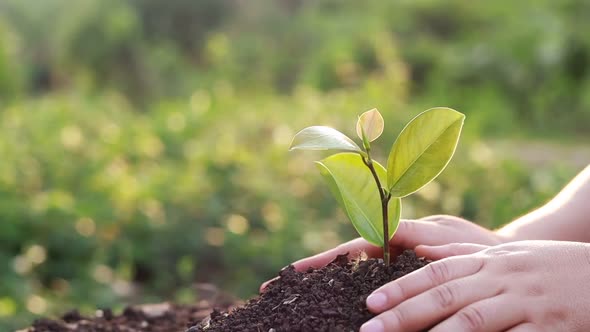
[(478, 282)]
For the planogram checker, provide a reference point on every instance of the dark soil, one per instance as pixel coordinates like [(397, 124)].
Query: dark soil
[(162, 317), (328, 299)]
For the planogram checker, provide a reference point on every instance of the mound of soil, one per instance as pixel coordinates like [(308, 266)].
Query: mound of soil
[(328, 299)]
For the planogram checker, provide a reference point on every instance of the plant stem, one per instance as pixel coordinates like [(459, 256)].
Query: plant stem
[(384, 210)]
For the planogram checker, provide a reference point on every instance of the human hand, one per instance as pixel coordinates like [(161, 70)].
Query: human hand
[(515, 287), (432, 230)]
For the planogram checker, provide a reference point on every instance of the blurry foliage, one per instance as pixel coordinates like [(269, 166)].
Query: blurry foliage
[(144, 143)]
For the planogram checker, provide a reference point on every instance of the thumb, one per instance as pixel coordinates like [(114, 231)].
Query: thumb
[(265, 284), (448, 250)]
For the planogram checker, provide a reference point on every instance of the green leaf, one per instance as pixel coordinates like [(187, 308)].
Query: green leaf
[(353, 185), (371, 122), (323, 138), (423, 150)]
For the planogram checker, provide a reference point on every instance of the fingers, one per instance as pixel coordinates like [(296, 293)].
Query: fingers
[(438, 230), (411, 233), (497, 313), (430, 276), (266, 283), (441, 217), (354, 248), (432, 306), (453, 249), (526, 327)]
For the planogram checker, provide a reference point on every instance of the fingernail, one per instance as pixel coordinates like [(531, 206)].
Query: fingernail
[(377, 301), (374, 325)]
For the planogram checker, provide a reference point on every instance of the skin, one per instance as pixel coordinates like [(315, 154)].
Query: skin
[(513, 285), (518, 286), (564, 218), (433, 230)]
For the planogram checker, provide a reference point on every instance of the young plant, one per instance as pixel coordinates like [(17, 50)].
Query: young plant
[(420, 153)]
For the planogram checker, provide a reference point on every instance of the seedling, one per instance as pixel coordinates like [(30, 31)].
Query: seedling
[(420, 153)]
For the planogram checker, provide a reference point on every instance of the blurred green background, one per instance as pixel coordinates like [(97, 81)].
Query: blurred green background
[(143, 143)]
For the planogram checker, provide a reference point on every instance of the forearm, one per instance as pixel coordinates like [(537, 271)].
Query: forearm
[(566, 217)]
